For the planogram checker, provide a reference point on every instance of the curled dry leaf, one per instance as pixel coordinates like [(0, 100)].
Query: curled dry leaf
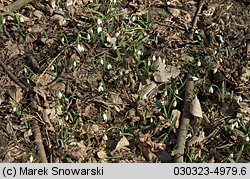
[(175, 117), (195, 107), (102, 154), (122, 143), (174, 12), (147, 89)]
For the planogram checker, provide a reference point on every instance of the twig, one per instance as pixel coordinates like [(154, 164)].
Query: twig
[(13, 78), (194, 25), (184, 123), (39, 142), (16, 5)]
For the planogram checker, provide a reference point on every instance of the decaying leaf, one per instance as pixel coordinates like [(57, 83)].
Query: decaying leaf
[(174, 12), (195, 107), (145, 90), (122, 143), (102, 154), (175, 117), (162, 72)]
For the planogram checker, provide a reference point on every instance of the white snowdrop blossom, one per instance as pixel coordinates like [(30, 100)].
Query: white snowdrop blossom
[(109, 66), (247, 139), (114, 47), (117, 34), (62, 40), (153, 58), (52, 67), (59, 94), (101, 61), (14, 108), (199, 63), (108, 39), (21, 19), (165, 93), (25, 70), (113, 1), (195, 78), (145, 96), (3, 21), (28, 81), (104, 116), (211, 90), (220, 38), (74, 63), (138, 52), (99, 21), (176, 92), (88, 36), (80, 48), (231, 155), (133, 18), (149, 62), (31, 158), (105, 137), (215, 70), (67, 118), (239, 99), (99, 29), (100, 88), (151, 120), (174, 103)]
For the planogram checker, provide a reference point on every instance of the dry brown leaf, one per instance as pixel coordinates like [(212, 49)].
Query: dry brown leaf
[(174, 12), (196, 139), (77, 150), (175, 117), (122, 143), (146, 90), (195, 107), (102, 154)]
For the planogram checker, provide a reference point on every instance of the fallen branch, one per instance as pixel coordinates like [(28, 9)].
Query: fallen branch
[(196, 17), (184, 122), (16, 5)]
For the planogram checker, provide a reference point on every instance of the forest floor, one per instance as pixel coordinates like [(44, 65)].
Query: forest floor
[(108, 80)]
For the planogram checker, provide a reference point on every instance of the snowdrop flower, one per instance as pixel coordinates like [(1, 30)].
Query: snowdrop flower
[(14, 109), (28, 81), (176, 92), (99, 21), (211, 90), (195, 78), (74, 63), (221, 60), (25, 70), (31, 158), (80, 48), (67, 118), (153, 58), (88, 36), (100, 88), (99, 29), (138, 52), (174, 103), (247, 139), (101, 61), (117, 34), (113, 1), (3, 21), (231, 155), (151, 120), (165, 93), (108, 39), (105, 137), (104, 117), (220, 38), (62, 40), (215, 70), (114, 47), (199, 63), (59, 94), (109, 66), (149, 62), (52, 67), (133, 18), (239, 99), (144, 96)]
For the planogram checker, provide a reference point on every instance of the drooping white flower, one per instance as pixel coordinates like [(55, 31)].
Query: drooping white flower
[(176, 92), (105, 137), (88, 36), (100, 88), (199, 63), (99, 21), (3, 21), (215, 70), (80, 48), (59, 94), (14, 108), (239, 99), (149, 62), (105, 117), (133, 18), (145, 96), (247, 139), (25, 70), (174, 103), (52, 67), (153, 58), (109, 66), (62, 40), (74, 63), (231, 155), (211, 90), (195, 78), (113, 1), (108, 39), (117, 34), (99, 29), (101, 61)]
